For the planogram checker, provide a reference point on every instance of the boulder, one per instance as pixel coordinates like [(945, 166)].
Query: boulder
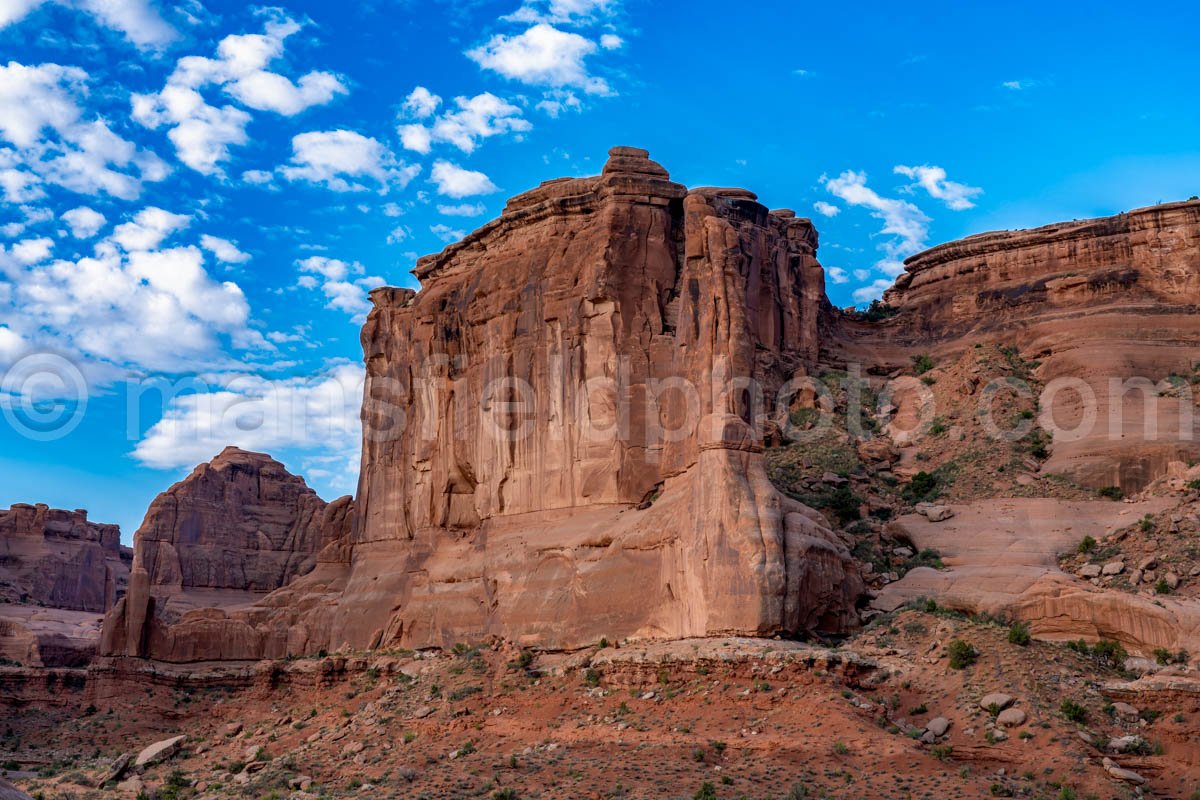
[(1125, 711), (999, 700), (1011, 717), (1089, 571), (938, 726), (115, 771), (1113, 568), (159, 751), (1122, 774), (10, 792)]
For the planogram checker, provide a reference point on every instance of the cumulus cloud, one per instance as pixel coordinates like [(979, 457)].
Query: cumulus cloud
[(956, 196), (148, 229), (223, 250), (454, 181), (130, 306), (83, 222), (317, 414), (341, 159), (872, 291), (336, 280), (52, 142), (826, 209), (837, 275), (138, 20), (472, 120), (202, 133), (542, 56), (446, 233), (904, 223), (569, 12), (463, 210), (421, 103)]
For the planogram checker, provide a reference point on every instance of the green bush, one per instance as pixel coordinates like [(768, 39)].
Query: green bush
[(1073, 711), (962, 655), (923, 486), (922, 364), (1111, 492), (1162, 587), (1018, 634), (1087, 545)]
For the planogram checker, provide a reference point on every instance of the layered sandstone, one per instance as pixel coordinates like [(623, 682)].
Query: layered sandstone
[(58, 573), (1091, 301), (563, 436), (237, 528)]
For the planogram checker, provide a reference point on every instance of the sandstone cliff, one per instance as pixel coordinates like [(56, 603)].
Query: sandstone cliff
[(1090, 301), (607, 505), (58, 571), (236, 528)]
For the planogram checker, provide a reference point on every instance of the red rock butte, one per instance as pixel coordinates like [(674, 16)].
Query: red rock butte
[(601, 519)]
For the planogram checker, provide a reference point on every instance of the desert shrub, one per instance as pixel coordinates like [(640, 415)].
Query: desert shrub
[(962, 654), (1086, 545), (1073, 711), (1111, 492), (923, 486), (1018, 634), (1162, 587), (922, 364), (845, 504)]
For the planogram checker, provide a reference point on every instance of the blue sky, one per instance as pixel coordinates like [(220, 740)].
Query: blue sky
[(198, 195)]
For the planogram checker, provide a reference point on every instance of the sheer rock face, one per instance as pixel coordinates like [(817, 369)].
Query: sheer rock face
[(59, 559), (58, 571), (1091, 300), (213, 545), (240, 522), (557, 447)]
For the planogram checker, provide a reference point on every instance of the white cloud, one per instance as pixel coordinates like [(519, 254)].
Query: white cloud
[(873, 291), (570, 12), (421, 103), (837, 275), (472, 120), (416, 137), (257, 177), (446, 233), (542, 56), (148, 229), (610, 41), (84, 222), (330, 157), (454, 181), (826, 209), (398, 234), (463, 210), (956, 196), (555, 101), (53, 143), (335, 279), (139, 20), (318, 413), (203, 133), (905, 224), (128, 307), (223, 250)]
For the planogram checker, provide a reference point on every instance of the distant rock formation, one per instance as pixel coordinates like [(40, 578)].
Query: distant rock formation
[(1090, 300), (241, 521), (236, 528), (58, 572)]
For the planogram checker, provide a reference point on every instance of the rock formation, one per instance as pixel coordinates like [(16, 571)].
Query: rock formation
[(241, 522), (235, 529), (58, 572), (1091, 301), (625, 494), (564, 429)]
